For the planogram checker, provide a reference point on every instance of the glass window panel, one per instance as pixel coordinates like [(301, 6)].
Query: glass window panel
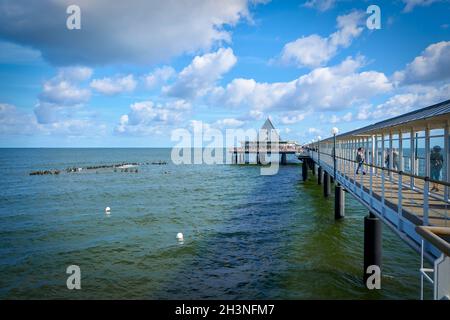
[(437, 132), (395, 154), (386, 155), (437, 163), (419, 156), (406, 155)]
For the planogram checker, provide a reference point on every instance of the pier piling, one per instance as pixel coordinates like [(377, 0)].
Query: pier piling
[(304, 170), (339, 202), (283, 158), (372, 243), (319, 175), (326, 184)]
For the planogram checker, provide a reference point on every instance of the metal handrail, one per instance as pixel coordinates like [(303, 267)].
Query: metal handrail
[(434, 236), (426, 178)]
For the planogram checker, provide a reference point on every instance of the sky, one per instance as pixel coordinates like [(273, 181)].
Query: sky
[(136, 71)]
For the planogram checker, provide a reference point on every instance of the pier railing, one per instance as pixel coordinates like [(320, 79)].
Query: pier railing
[(410, 193), (405, 180), (405, 201), (266, 148)]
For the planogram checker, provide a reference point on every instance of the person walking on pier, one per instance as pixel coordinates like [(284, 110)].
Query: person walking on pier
[(395, 159), (387, 158), (360, 160), (436, 164)]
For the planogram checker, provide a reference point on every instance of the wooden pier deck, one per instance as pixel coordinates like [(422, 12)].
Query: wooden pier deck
[(412, 199)]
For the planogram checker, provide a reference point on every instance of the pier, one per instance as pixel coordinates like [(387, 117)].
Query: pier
[(403, 182), (268, 147)]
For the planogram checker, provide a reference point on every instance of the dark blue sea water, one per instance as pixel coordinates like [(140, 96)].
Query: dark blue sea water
[(247, 236)]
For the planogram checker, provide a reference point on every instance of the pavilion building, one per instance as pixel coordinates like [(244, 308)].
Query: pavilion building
[(268, 147)]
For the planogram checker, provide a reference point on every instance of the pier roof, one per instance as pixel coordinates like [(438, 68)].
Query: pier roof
[(438, 111)]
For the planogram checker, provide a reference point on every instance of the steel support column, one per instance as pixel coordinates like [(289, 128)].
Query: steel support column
[(372, 243), (305, 170), (339, 202), (326, 184)]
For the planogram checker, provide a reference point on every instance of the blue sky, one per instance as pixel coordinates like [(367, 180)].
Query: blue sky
[(137, 71)]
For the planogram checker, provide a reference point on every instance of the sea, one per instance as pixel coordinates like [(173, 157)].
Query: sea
[(246, 235)]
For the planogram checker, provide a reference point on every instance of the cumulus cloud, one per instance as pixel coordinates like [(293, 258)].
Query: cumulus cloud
[(202, 74), (314, 50), (62, 94), (249, 93), (412, 98), (111, 86), (138, 32), (338, 87), (334, 119), (147, 117), (255, 114), (159, 76), (294, 117), (74, 73), (321, 5), (432, 65)]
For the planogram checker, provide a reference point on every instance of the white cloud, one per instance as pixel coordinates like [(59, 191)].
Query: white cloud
[(294, 117), (159, 76), (338, 87), (335, 119), (314, 131), (16, 122), (201, 75), (147, 117), (64, 92), (432, 65), (321, 5), (414, 97), (62, 95), (111, 86), (229, 123), (411, 4), (63, 89), (347, 117), (256, 114), (141, 32), (75, 128), (248, 92), (13, 121), (74, 73), (314, 50)]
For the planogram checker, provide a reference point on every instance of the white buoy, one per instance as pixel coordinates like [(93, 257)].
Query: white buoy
[(180, 236), (107, 210)]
